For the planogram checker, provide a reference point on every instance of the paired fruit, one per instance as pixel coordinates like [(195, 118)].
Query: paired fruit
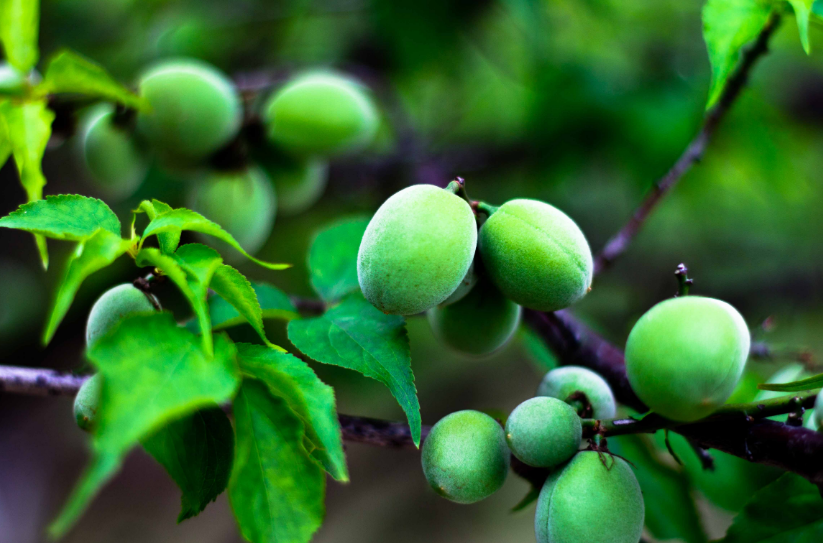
[(543, 432), (579, 386), (87, 403), (113, 306), (589, 501), (416, 250), (321, 114), (479, 324), (465, 457), (685, 356), (242, 202), (536, 255), (195, 109)]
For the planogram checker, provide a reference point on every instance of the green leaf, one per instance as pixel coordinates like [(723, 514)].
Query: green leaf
[(291, 379), (185, 219), (154, 372), (274, 303), (530, 497), (810, 383), (68, 217), (333, 258), (802, 12), (93, 254), (357, 336), (197, 452), (728, 25), (19, 22), (168, 241), (536, 349), (788, 510), (69, 72), (276, 490), (5, 143)]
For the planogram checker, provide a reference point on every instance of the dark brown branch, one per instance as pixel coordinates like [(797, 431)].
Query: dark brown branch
[(620, 242)]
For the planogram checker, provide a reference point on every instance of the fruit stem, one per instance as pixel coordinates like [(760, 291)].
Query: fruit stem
[(458, 188), (484, 208), (682, 274)]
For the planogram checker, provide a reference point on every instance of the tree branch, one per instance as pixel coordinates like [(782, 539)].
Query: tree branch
[(620, 242)]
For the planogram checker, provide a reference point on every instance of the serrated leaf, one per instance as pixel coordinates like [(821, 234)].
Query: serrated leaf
[(197, 452), (186, 219), (69, 72), (274, 304), (276, 490), (233, 287), (291, 379), (728, 25), (153, 372), (19, 23), (789, 510), (93, 254), (333, 258), (802, 12), (68, 217), (357, 336), (810, 383), (169, 240)]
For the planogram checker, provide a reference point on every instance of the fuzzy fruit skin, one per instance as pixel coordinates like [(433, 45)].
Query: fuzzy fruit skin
[(543, 432), (87, 402), (322, 114), (242, 202), (562, 382), (299, 182), (114, 305), (195, 109), (536, 255), (466, 285), (685, 356), (416, 250), (585, 501), (465, 457), (110, 154), (481, 323)]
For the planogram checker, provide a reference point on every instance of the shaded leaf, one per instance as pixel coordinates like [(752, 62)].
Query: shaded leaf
[(19, 24), (802, 12), (274, 304), (528, 499), (536, 349), (357, 336), (333, 258), (233, 287), (169, 240), (68, 217)]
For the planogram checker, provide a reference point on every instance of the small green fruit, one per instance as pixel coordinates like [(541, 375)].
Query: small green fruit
[(110, 154), (685, 356), (321, 114), (465, 457), (479, 324), (592, 502), (536, 255), (416, 250), (195, 109), (563, 383), (87, 403), (113, 306), (299, 182), (242, 202), (543, 432), (466, 285)]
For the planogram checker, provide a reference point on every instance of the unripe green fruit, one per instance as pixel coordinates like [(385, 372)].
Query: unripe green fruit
[(465, 286), (110, 154), (479, 324), (416, 250), (536, 255), (321, 114), (242, 202), (543, 432), (685, 356), (465, 457), (87, 402), (592, 502), (195, 110), (114, 305), (299, 183), (563, 383)]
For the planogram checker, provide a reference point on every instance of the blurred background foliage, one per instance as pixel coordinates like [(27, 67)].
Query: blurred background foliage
[(580, 103)]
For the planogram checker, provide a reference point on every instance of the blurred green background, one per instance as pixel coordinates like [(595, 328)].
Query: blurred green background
[(579, 103)]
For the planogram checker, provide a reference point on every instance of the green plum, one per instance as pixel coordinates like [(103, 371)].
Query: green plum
[(299, 182), (466, 285), (416, 250), (195, 109), (114, 305), (322, 114), (685, 356), (243, 202), (87, 403), (536, 255), (592, 502), (543, 432), (110, 154), (564, 382), (465, 457), (479, 324)]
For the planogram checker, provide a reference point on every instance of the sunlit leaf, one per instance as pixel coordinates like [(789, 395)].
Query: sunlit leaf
[(802, 12), (333, 258), (19, 25), (68, 217), (810, 383)]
